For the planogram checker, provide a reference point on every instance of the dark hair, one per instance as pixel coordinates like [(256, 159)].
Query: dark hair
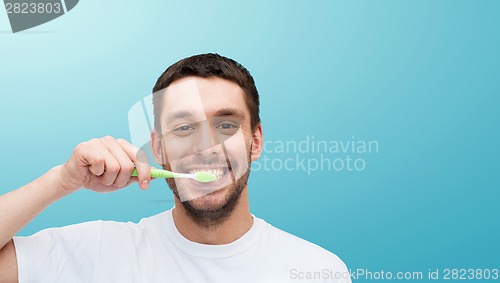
[(206, 66)]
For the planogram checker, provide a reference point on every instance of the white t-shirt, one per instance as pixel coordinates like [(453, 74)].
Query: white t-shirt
[(153, 250)]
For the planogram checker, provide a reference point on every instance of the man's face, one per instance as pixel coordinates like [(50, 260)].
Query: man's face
[(205, 127)]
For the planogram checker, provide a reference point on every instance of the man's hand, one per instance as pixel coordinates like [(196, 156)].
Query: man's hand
[(104, 165)]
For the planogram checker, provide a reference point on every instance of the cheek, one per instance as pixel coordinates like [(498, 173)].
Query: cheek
[(237, 153), (176, 148)]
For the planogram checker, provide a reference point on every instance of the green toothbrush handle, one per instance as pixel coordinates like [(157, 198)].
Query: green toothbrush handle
[(156, 173)]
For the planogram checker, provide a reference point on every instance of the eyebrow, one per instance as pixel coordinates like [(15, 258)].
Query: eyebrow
[(179, 115), (229, 112)]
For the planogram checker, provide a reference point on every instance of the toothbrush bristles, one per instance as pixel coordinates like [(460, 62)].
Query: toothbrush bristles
[(205, 177)]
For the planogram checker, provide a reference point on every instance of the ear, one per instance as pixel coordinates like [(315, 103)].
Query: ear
[(156, 148), (257, 142)]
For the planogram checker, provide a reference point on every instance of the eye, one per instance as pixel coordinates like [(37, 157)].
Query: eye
[(183, 130), (228, 128)]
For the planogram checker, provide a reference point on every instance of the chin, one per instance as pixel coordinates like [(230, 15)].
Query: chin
[(211, 201)]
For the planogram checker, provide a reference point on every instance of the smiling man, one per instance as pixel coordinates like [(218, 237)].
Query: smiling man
[(206, 110)]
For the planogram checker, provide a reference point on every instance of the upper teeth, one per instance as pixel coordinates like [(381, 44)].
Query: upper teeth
[(216, 172)]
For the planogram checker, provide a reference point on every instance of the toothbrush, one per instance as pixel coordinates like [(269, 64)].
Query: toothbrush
[(202, 177)]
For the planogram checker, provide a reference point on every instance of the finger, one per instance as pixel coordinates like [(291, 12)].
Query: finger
[(126, 164), (134, 179), (89, 156), (140, 160), (111, 166)]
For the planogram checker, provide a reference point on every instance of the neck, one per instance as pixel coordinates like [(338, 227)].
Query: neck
[(233, 228)]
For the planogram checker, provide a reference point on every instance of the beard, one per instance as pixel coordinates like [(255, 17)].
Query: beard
[(210, 214)]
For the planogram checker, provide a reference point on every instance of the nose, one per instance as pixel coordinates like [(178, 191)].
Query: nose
[(207, 141)]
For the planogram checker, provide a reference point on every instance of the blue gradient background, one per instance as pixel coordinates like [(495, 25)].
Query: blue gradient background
[(420, 77)]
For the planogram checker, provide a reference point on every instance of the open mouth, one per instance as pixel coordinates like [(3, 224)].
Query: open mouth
[(191, 189), (218, 172)]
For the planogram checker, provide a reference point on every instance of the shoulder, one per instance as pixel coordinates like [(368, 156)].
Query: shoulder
[(98, 229), (156, 219), (300, 250), (146, 225)]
